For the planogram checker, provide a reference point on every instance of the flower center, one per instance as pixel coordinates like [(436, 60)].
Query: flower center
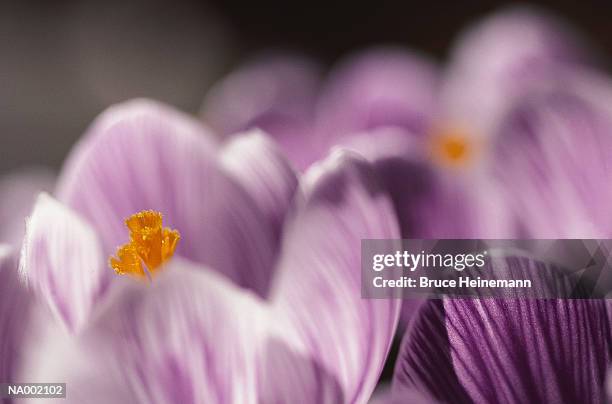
[(150, 244), (452, 147)]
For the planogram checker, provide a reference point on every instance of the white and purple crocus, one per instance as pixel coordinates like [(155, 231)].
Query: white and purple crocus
[(258, 301)]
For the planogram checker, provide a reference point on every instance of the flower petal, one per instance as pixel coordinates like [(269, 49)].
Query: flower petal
[(62, 262), (275, 93), (552, 159), (499, 59), (271, 87), (379, 88), (86, 362), (190, 338), (19, 190), (319, 285), (14, 314), (257, 164), (142, 155), (193, 337), (508, 350)]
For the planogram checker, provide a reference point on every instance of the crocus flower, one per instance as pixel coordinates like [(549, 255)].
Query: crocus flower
[(431, 132), (257, 299)]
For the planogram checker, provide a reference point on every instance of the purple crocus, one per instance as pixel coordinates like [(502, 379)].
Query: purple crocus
[(260, 300)]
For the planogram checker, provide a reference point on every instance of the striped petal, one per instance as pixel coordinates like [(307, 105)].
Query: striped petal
[(491, 350), (257, 164), (62, 262), (319, 284), (553, 161)]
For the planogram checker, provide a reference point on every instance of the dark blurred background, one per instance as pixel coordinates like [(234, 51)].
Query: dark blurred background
[(62, 62)]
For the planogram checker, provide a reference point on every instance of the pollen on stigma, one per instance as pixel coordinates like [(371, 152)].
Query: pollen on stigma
[(150, 246)]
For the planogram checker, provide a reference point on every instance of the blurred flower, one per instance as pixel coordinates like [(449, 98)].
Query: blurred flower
[(18, 191), (276, 93), (233, 317), (430, 133), (492, 64), (440, 175), (507, 350)]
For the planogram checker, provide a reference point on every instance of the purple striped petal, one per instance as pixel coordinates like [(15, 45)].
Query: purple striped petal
[(499, 59), (379, 88), (18, 192), (554, 161), (319, 283), (14, 314), (62, 262), (508, 350), (143, 155), (190, 337), (255, 162), (275, 93)]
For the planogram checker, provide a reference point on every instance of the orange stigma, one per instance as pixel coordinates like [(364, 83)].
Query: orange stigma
[(150, 244), (453, 147)]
